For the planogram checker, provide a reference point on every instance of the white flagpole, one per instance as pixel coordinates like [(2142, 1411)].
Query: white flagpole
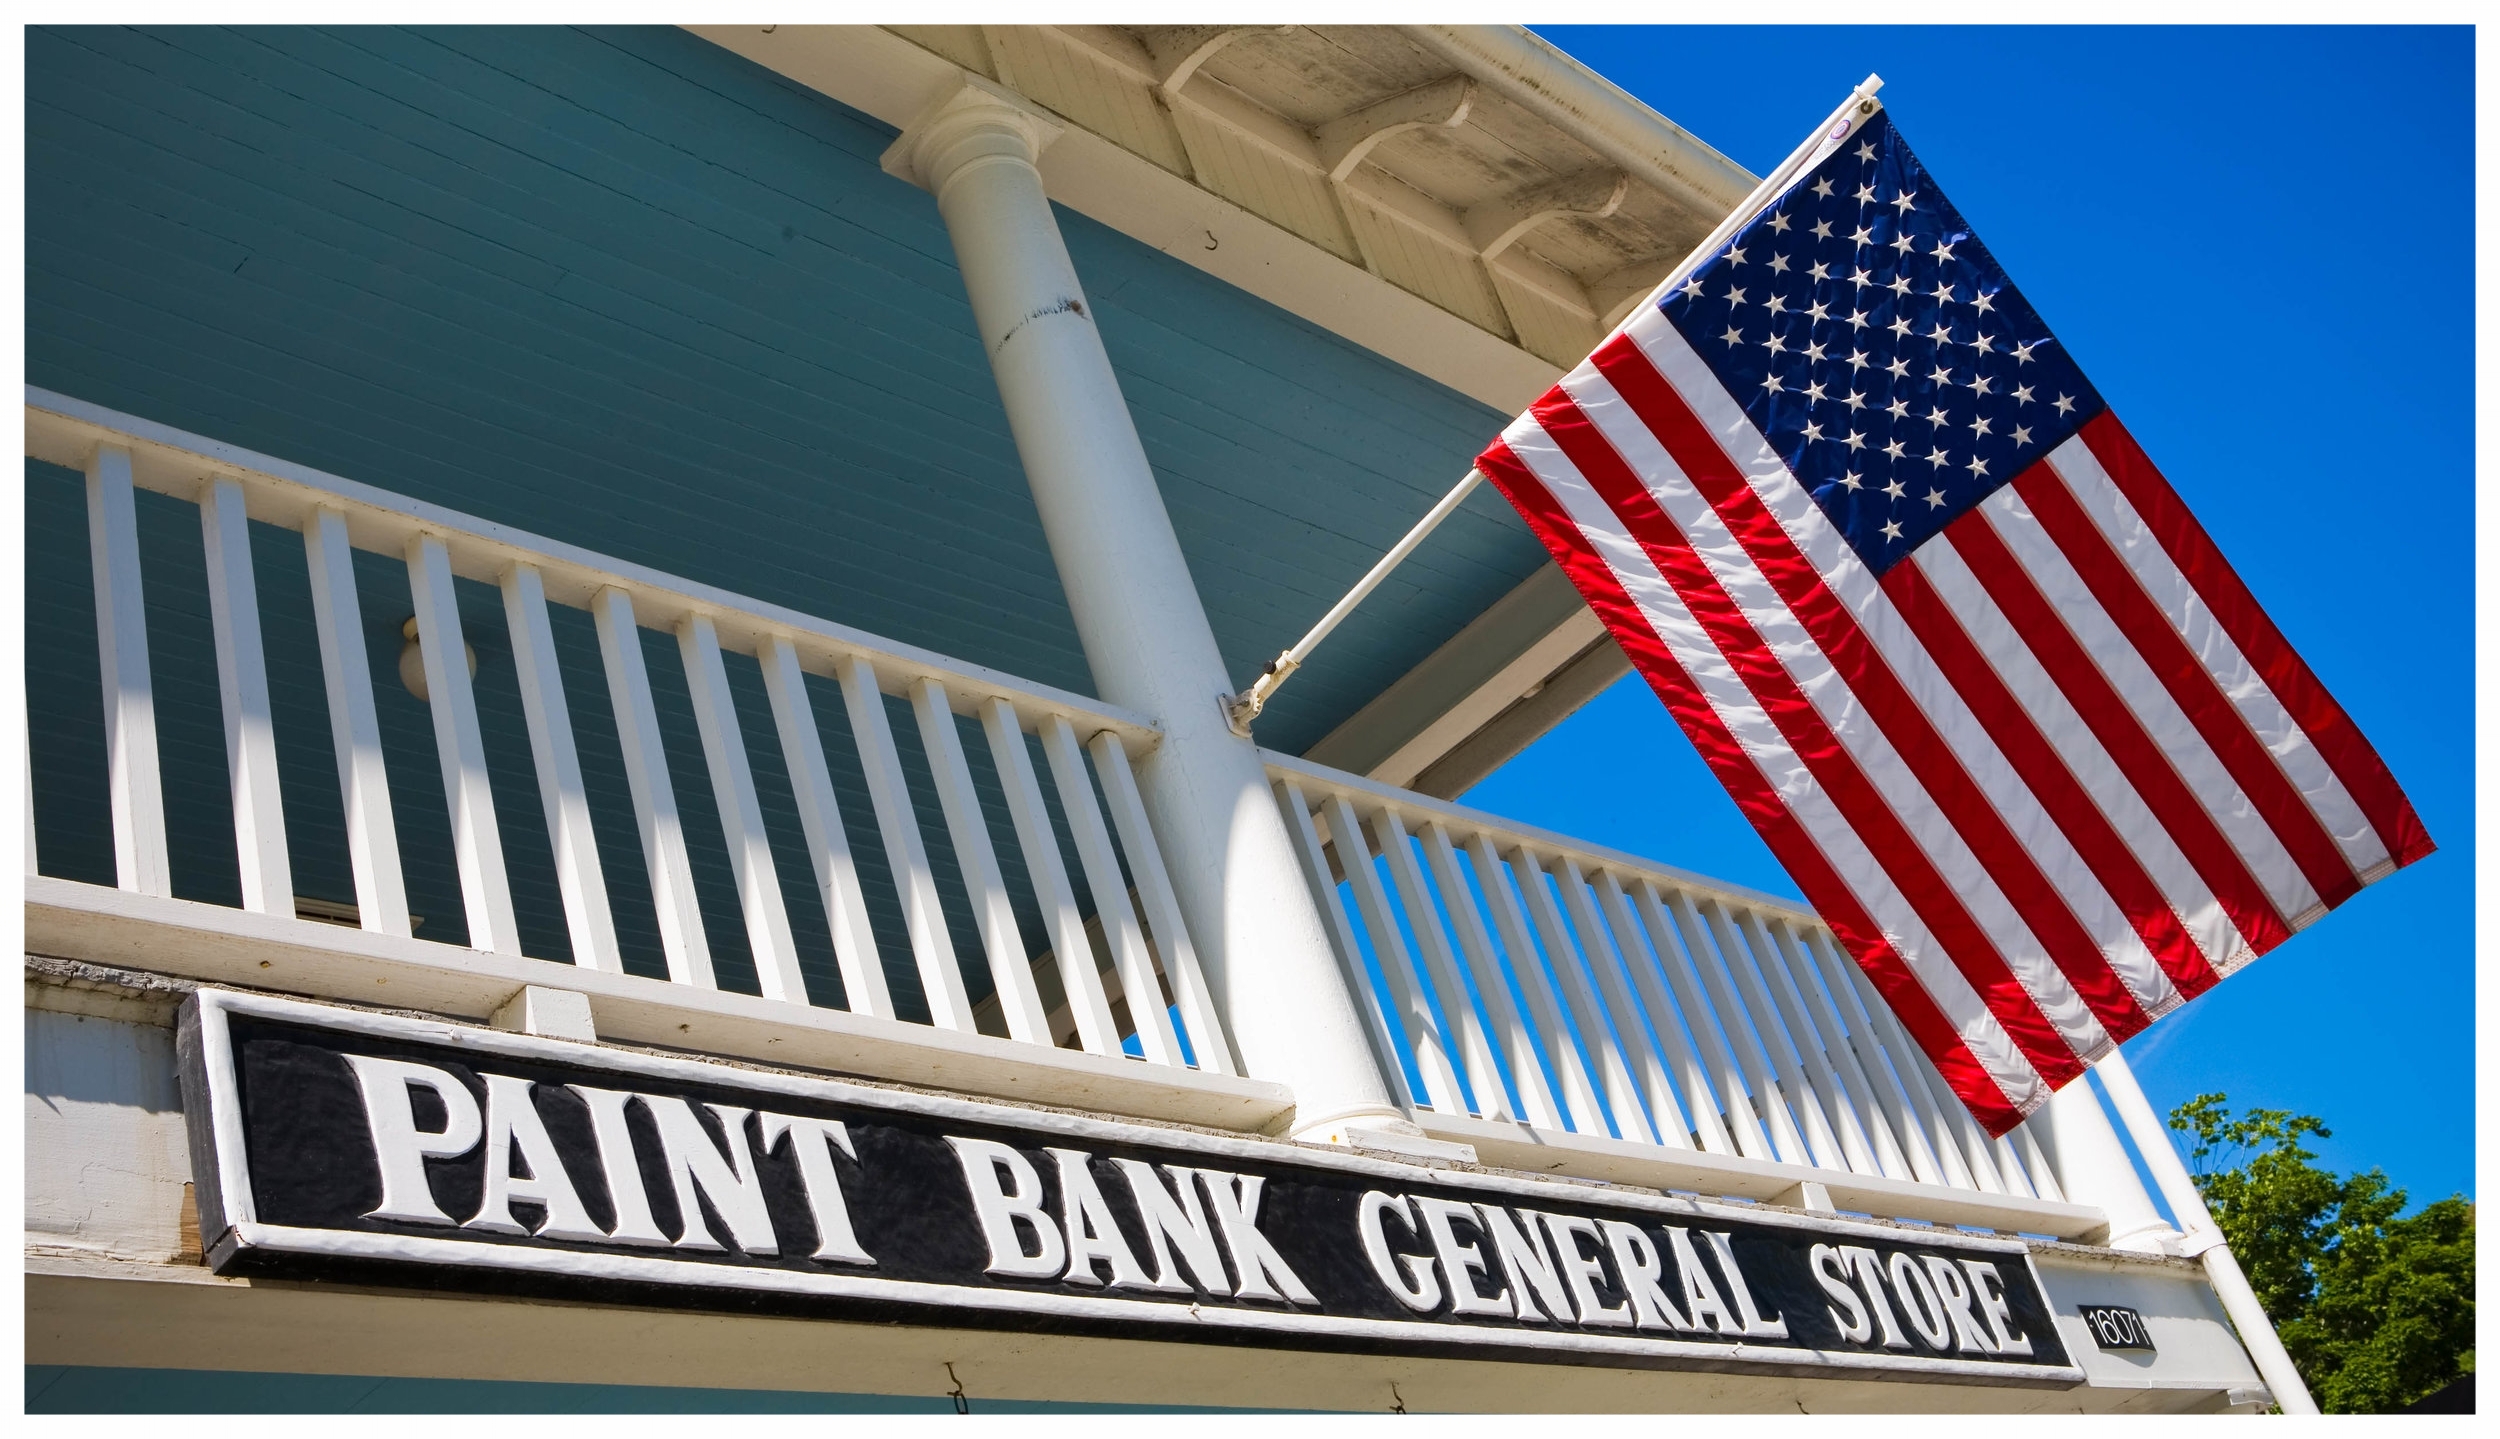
[(2204, 1240), (1243, 708)]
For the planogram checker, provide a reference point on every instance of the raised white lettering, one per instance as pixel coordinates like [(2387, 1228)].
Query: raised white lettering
[(1263, 1271), (1461, 1262), (1870, 1271), (1529, 1269), (400, 1149), (1093, 1236), (1173, 1222), (812, 1142), (1637, 1260), (1989, 1288), (1953, 1295), (512, 1122), (1418, 1291), (1700, 1295), (1831, 1271), (1566, 1231), (1756, 1325), (1919, 1303), (729, 1181), (1002, 1209), (634, 1224)]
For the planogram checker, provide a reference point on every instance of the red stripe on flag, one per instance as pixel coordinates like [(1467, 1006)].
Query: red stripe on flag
[(1965, 942), (1787, 837), (2112, 861), (1870, 678), (2338, 739), (2106, 574), (2121, 734)]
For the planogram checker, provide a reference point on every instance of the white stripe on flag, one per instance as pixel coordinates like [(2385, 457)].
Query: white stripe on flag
[(1857, 591), (1755, 733), (2151, 703), (2203, 915), (1842, 713), (2336, 811)]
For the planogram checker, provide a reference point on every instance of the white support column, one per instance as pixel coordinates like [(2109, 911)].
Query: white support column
[(2093, 1168), (355, 729), (121, 634), (578, 877), (243, 685), (1137, 611), (477, 843), (2204, 1238)]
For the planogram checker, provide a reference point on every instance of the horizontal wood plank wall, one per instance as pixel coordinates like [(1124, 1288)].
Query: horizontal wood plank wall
[(624, 288)]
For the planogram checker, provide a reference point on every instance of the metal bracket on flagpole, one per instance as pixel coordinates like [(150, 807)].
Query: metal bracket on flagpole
[(1242, 709)]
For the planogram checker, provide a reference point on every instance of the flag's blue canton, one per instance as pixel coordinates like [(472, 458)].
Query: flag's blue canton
[(1873, 339)]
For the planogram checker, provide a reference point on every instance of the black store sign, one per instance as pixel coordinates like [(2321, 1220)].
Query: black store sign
[(330, 1143)]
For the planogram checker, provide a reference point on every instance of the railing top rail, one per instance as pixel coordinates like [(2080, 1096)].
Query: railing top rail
[(1410, 804), (63, 430)]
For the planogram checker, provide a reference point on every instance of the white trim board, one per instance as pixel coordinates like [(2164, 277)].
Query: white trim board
[(892, 79)]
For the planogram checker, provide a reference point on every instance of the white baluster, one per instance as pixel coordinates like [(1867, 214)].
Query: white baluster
[(2043, 1174), (1397, 966), (1162, 905), (1010, 971), (1865, 1046), (1095, 1028), (1631, 1119), (1683, 971), (140, 861), (1040, 845), (1782, 1025), (579, 880), (741, 816), (1484, 1077), (355, 730), (477, 845), (1666, 1108), (1577, 1091), (932, 948), (1892, 1049), (1747, 1018), (1670, 1015), (655, 799), (1837, 1110), (1536, 1099), (243, 686), (1358, 982), (828, 843)]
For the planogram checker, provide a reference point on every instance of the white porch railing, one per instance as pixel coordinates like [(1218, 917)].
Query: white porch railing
[(1085, 753), (1532, 993)]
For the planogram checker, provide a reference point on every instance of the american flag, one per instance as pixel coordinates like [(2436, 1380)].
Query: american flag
[(1955, 646)]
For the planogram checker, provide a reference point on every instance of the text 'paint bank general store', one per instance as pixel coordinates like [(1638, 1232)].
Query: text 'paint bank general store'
[(662, 814)]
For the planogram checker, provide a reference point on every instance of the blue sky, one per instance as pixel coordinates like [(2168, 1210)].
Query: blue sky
[(2259, 245)]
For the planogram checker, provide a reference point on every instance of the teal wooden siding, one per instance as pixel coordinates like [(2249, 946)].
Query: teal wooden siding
[(625, 289)]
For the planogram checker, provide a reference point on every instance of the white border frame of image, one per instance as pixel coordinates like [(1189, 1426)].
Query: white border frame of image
[(234, 1199)]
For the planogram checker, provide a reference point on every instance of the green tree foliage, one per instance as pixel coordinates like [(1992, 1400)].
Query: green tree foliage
[(2376, 1309)]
